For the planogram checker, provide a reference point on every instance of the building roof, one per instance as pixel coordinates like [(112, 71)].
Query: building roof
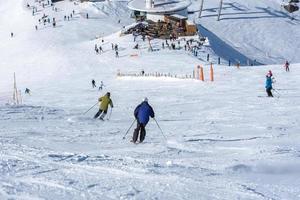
[(179, 16), (160, 6)]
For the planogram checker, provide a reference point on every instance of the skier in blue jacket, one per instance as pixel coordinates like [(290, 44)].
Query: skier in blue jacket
[(142, 113), (269, 85)]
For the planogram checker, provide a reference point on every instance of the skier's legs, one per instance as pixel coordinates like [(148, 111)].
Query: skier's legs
[(143, 133), (136, 132), (269, 92), (103, 114), (271, 95), (98, 113)]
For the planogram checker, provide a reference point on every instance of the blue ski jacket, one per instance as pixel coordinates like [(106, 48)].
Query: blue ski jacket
[(142, 113), (269, 83)]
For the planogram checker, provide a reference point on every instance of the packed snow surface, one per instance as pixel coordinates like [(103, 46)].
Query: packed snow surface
[(261, 30), (224, 139)]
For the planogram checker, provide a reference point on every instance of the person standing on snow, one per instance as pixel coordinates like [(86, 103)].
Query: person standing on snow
[(269, 86), (101, 85), (100, 49), (94, 83), (142, 113), (27, 91), (105, 101), (287, 66)]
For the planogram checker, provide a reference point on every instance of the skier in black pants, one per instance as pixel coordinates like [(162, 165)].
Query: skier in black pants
[(94, 83), (27, 91), (269, 86), (142, 113), (103, 107)]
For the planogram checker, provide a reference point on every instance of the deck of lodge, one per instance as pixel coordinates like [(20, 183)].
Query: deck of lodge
[(172, 26)]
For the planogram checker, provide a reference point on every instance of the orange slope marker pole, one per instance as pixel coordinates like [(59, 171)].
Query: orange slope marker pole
[(211, 72), (201, 74)]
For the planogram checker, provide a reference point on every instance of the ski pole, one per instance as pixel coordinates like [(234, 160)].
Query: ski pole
[(128, 129), (277, 92), (160, 129), (90, 108), (109, 114)]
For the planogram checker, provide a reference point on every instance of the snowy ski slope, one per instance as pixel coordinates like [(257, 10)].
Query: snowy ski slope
[(225, 139)]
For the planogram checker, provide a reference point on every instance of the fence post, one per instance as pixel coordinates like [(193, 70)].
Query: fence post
[(219, 61), (201, 74), (229, 63), (238, 65), (211, 72), (198, 72), (207, 57)]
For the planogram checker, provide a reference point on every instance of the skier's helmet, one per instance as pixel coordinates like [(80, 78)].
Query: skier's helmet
[(108, 94), (145, 99)]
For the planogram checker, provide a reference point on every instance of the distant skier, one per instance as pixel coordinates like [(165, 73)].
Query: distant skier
[(105, 102), (287, 66), (269, 86), (11, 34), (117, 54), (101, 85), (27, 91), (142, 113), (94, 83)]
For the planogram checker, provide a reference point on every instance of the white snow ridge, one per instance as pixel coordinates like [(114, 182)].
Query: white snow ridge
[(214, 139)]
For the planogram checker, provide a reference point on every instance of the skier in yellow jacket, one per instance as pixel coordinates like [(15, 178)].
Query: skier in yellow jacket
[(103, 106)]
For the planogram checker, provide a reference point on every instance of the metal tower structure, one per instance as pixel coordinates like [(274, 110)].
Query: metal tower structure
[(219, 12)]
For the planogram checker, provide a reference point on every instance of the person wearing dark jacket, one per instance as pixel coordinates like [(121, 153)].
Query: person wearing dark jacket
[(287, 66), (142, 114), (94, 83)]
